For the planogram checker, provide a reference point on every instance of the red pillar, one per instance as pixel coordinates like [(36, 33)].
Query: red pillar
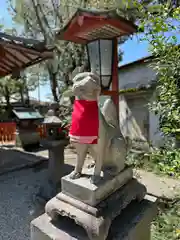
[(115, 79)]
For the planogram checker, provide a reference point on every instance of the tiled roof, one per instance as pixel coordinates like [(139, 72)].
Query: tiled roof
[(138, 61), (18, 53)]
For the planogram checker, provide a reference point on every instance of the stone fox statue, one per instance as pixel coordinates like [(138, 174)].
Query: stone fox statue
[(97, 132)]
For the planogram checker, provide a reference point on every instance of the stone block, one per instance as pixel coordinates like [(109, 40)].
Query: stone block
[(96, 220), (42, 228), (82, 189), (132, 224)]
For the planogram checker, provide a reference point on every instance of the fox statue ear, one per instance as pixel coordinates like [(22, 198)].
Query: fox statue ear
[(110, 114)]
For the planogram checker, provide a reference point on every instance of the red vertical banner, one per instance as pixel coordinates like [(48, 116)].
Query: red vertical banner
[(115, 78)]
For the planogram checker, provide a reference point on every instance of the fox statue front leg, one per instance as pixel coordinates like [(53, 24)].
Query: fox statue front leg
[(81, 151)]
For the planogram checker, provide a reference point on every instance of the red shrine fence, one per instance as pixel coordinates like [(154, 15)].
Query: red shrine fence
[(8, 133)]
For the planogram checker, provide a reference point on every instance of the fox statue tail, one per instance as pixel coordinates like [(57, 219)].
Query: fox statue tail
[(110, 115)]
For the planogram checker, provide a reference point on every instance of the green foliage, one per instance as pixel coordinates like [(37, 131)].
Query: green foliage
[(139, 89), (163, 160), (166, 159), (137, 159), (160, 24), (16, 89), (167, 57), (166, 226), (8, 89), (168, 104)]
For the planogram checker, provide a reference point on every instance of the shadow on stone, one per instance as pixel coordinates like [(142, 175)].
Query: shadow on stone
[(35, 148), (50, 188), (122, 225), (69, 226)]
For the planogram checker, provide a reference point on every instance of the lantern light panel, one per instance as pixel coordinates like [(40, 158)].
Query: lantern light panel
[(100, 56)]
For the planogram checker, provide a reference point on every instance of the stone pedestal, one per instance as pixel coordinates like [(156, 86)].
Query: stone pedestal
[(105, 211), (94, 207), (83, 190), (133, 223), (55, 167), (96, 220)]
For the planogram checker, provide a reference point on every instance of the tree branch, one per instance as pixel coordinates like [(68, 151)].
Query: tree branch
[(12, 8), (44, 18), (57, 12), (39, 20)]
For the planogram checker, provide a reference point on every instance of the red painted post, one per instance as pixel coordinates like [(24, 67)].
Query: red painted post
[(115, 78)]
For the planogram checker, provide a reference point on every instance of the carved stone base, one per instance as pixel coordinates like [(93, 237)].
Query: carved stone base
[(96, 220), (83, 190), (134, 223)]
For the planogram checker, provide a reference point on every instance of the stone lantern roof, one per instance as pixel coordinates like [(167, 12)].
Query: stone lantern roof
[(51, 118)]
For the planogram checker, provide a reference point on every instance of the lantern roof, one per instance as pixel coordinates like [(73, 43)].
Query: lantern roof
[(27, 113), (17, 53), (89, 25), (52, 120)]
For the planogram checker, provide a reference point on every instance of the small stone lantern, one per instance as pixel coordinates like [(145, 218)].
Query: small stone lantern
[(53, 127), (55, 142)]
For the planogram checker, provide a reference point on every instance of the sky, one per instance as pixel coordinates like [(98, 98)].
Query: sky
[(5, 17), (133, 50)]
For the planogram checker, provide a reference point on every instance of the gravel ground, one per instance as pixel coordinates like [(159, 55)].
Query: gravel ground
[(19, 204), (11, 159)]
